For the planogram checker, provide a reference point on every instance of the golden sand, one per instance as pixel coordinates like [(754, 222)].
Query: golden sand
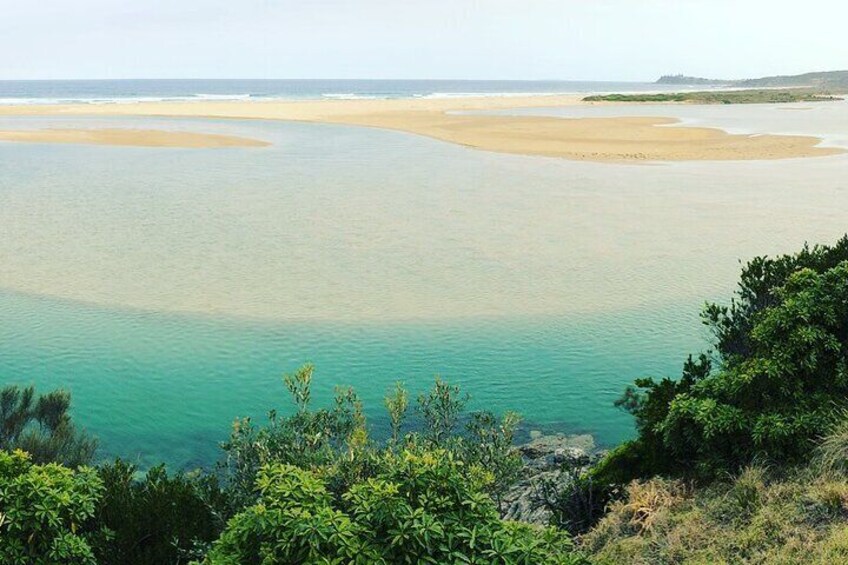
[(595, 139), (132, 137)]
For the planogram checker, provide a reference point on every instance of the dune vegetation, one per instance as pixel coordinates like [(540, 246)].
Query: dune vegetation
[(769, 96), (743, 458)]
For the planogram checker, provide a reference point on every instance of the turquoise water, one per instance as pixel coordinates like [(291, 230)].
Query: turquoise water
[(169, 289), (167, 387)]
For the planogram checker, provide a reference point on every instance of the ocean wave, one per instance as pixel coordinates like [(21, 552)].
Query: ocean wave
[(45, 101), (352, 96), (222, 96), (432, 95)]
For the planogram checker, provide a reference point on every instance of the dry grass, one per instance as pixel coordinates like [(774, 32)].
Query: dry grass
[(752, 519)]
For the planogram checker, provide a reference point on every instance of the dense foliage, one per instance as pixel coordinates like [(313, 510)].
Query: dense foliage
[(442, 481), (158, 518), (43, 510), (782, 376), (312, 438), (416, 507)]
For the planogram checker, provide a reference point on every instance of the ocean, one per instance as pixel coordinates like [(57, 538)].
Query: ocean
[(169, 289), (128, 91)]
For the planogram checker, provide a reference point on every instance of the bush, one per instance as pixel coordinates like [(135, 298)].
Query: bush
[(782, 378), (307, 438), (43, 510), (421, 506), (338, 436)]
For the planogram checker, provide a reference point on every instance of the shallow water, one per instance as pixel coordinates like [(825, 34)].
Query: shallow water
[(169, 288)]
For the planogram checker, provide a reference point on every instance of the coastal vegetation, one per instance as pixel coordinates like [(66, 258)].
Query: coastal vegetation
[(742, 458), (721, 97), (311, 487)]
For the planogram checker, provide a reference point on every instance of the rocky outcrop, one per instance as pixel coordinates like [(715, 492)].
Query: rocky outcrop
[(545, 457)]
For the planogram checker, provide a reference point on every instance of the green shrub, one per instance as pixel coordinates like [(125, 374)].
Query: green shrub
[(307, 438), (782, 377), (43, 510), (419, 507), (311, 438)]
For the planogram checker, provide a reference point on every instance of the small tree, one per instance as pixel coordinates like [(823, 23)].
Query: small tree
[(781, 378), (42, 426), (489, 444), (440, 408), (307, 438), (397, 403)]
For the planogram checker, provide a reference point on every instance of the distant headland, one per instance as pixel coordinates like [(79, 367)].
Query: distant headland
[(819, 80)]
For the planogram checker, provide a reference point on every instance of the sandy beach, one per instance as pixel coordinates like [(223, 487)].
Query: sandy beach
[(589, 139)]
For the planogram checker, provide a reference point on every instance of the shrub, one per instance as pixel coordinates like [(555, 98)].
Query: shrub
[(440, 408), (782, 377), (307, 438), (43, 510), (419, 507), (337, 437), (488, 443), (574, 499)]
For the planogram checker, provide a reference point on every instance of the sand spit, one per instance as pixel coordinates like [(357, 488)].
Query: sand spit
[(620, 139), (130, 137)]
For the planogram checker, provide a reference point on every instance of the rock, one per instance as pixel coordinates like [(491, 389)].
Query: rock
[(544, 456)]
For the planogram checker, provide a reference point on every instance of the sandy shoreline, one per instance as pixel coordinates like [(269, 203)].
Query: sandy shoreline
[(590, 139)]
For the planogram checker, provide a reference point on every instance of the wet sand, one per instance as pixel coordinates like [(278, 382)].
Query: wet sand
[(616, 139)]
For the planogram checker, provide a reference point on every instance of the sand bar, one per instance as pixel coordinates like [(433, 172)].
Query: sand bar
[(130, 137), (592, 139)]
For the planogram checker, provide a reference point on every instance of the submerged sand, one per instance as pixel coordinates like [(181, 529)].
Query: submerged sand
[(130, 137), (590, 139)]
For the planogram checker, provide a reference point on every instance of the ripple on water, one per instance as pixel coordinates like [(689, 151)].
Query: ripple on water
[(539, 285), (168, 386)]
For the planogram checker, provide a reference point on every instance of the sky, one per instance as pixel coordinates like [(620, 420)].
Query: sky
[(627, 40)]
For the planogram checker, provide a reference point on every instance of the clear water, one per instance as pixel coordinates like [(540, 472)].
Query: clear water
[(169, 289)]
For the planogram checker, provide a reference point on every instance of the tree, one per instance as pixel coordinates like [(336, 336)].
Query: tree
[(441, 408), (782, 377), (42, 427)]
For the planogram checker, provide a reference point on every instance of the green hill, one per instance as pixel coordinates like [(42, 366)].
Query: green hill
[(820, 80)]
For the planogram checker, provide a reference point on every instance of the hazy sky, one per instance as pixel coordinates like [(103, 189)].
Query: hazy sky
[(506, 39)]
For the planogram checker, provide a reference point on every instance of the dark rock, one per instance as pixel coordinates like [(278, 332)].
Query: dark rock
[(545, 457)]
